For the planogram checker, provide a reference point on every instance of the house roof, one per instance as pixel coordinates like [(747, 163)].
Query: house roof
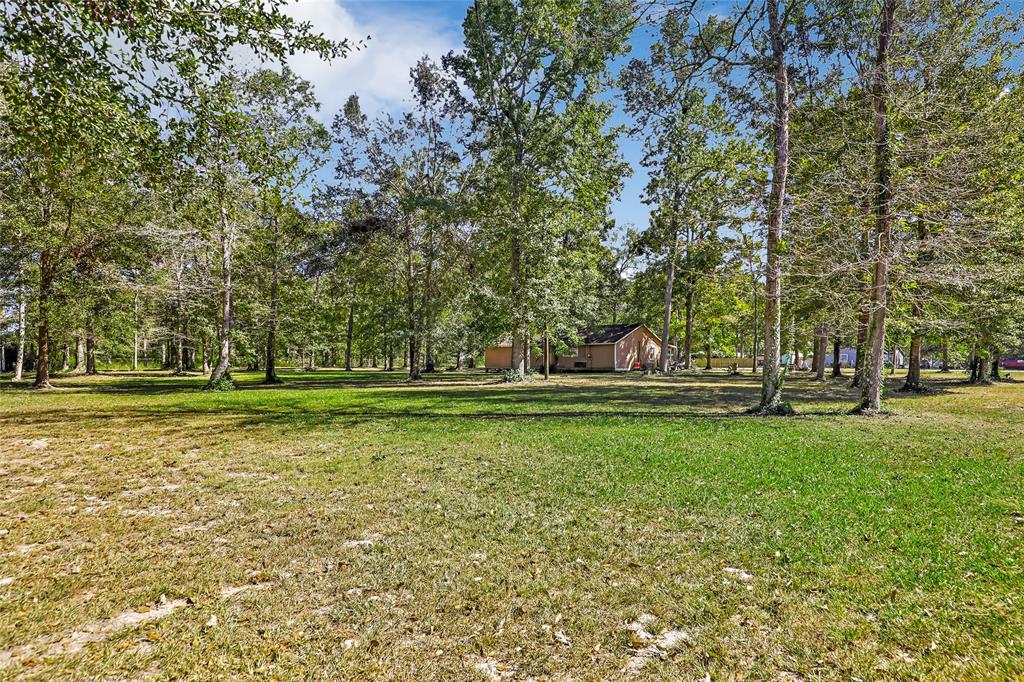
[(608, 333), (602, 334)]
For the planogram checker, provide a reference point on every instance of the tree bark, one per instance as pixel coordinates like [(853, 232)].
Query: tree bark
[(348, 336), (179, 355), (982, 370), (688, 330), (19, 361), (270, 354), (547, 355), (753, 357), (837, 347), (414, 358), (135, 331), (913, 382), (667, 326), (46, 275), (771, 384), (90, 349), (994, 374), (428, 360), (79, 353), (519, 331), (945, 355), (222, 370), (871, 395), (819, 354)]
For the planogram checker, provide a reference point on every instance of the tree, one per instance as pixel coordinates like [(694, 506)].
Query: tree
[(288, 145), (695, 161), (533, 68), (404, 189)]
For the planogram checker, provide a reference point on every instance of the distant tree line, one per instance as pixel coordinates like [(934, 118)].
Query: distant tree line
[(821, 174)]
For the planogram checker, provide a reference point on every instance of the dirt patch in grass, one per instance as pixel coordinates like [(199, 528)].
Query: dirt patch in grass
[(97, 631)]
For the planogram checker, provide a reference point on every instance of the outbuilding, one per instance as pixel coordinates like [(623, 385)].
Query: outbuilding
[(608, 348)]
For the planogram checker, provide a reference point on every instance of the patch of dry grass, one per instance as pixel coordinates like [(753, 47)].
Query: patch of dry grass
[(358, 527)]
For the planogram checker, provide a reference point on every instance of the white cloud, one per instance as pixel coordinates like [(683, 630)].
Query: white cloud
[(379, 72)]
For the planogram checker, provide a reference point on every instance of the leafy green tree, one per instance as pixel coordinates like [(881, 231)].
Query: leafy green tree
[(534, 69)]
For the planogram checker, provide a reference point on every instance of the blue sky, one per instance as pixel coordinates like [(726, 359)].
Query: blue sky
[(401, 31)]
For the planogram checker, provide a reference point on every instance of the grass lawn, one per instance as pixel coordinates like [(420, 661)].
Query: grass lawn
[(354, 526)]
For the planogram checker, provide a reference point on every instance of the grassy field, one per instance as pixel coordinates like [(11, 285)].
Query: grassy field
[(354, 526)]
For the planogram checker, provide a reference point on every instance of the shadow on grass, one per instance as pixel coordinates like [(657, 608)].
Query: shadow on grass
[(333, 396)]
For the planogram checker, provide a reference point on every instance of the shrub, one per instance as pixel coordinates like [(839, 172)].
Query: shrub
[(225, 383), (513, 376)]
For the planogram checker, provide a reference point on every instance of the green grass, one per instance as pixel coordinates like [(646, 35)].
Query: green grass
[(515, 528)]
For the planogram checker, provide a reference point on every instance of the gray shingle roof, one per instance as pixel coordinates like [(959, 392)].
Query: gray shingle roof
[(608, 333)]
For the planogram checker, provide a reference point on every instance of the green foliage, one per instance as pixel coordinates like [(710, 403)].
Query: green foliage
[(224, 383), (513, 376)]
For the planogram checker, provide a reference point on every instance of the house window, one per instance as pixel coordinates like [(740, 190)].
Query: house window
[(844, 357)]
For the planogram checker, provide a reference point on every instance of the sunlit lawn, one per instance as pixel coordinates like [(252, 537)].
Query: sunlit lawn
[(465, 529)]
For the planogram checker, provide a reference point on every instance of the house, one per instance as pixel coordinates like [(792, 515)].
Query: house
[(848, 357), (611, 347)]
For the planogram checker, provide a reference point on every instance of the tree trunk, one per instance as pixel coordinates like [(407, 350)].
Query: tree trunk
[(547, 355), (753, 357), (66, 365), (179, 355), (270, 354), (815, 355), (414, 358), (518, 354), (666, 328), (688, 330), (771, 379), (222, 370), (837, 347), (819, 354), (994, 374), (707, 355), (913, 382), (19, 361), (90, 351), (348, 336), (519, 332), (945, 355), (982, 374), (46, 274), (135, 331), (428, 361), (871, 395)]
